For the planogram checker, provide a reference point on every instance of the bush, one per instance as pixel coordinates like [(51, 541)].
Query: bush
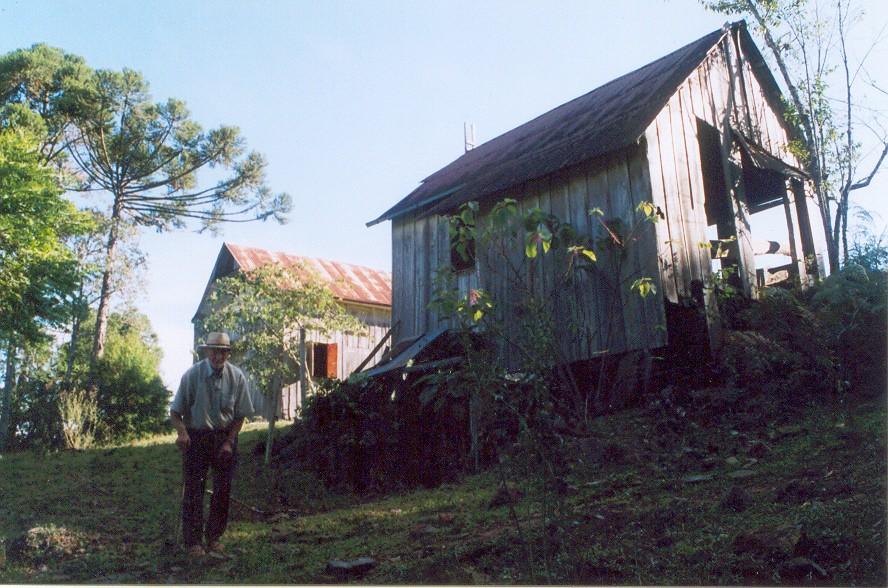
[(79, 414), (833, 337), (869, 251), (361, 437), (851, 306), (132, 400), (781, 349), (35, 415)]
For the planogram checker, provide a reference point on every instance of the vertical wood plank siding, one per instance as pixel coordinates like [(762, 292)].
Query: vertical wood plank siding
[(598, 310), (400, 287)]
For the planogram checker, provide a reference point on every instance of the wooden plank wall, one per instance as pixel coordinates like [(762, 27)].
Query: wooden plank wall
[(419, 247), (351, 350), (597, 311)]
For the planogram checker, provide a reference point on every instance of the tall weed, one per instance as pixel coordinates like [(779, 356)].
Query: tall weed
[(80, 418)]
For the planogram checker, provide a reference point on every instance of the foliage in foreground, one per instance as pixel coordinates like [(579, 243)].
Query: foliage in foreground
[(265, 310)]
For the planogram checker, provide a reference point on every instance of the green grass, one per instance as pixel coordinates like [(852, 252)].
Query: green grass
[(630, 519)]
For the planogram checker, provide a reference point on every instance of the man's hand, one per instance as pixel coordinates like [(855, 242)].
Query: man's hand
[(183, 441), (227, 450)]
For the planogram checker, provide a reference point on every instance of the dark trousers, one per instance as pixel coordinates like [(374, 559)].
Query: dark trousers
[(201, 455)]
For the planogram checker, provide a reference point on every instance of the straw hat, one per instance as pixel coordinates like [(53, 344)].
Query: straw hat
[(217, 341)]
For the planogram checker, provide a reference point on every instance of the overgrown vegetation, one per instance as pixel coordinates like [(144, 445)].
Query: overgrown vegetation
[(709, 486), (784, 355), (357, 437)]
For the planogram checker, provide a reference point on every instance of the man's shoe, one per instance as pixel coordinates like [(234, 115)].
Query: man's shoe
[(195, 551)]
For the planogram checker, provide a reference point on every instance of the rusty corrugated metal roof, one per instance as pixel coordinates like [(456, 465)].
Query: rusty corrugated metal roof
[(605, 120), (350, 283)]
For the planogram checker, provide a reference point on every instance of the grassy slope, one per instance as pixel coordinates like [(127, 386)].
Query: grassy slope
[(641, 513)]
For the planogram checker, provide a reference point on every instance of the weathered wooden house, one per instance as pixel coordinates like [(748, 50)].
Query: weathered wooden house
[(364, 292), (700, 133)]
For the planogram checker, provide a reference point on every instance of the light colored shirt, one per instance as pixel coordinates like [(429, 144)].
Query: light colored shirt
[(208, 400)]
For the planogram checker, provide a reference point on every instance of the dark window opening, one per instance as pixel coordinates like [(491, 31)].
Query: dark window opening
[(462, 255), (322, 362), (765, 188), (715, 189)]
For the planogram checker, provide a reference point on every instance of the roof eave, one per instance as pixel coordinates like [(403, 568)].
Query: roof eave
[(393, 213)]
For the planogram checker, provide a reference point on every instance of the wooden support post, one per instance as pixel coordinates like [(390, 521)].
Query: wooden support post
[(303, 386), (740, 219), (795, 241), (806, 235), (274, 393), (733, 169)]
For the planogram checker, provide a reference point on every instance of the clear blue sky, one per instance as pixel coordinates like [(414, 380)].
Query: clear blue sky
[(354, 103)]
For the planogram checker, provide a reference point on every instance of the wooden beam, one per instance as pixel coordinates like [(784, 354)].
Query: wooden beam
[(428, 365), (377, 348), (302, 372)]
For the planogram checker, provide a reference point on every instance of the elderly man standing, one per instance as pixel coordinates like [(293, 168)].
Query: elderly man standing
[(207, 412)]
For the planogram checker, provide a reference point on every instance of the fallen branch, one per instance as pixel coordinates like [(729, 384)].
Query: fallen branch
[(252, 509)]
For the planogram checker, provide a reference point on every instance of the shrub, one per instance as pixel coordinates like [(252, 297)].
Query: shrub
[(80, 414), (780, 349), (869, 251), (851, 306), (132, 400), (784, 318), (35, 415), (361, 437)]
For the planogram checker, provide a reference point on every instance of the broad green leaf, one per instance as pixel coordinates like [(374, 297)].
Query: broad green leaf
[(648, 210), (530, 246), (644, 286)]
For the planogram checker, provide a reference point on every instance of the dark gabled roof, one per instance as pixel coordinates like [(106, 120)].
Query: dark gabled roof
[(606, 119)]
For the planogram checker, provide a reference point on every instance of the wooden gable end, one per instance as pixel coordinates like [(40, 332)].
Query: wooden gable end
[(702, 139)]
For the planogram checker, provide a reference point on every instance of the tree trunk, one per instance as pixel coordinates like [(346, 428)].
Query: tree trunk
[(78, 316), (274, 396), (6, 404), (303, 380), (845, 230), (72, 344), (98, 349)]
